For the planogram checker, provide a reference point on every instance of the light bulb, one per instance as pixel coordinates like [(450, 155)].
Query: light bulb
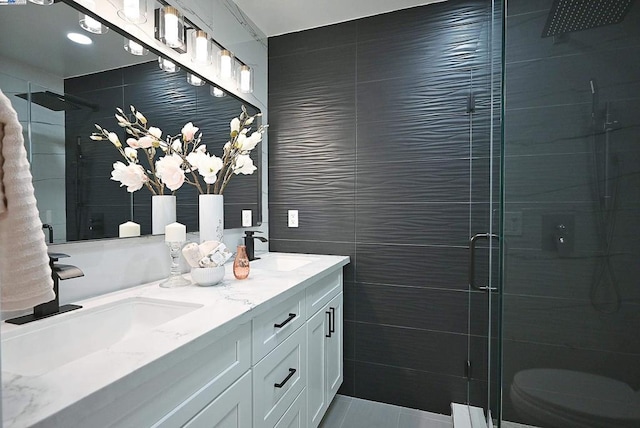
[(91, 25), (201, 47), (245, 79), (217, 92), (134, 48), (194, 80), (132, 10), (167, 65), (171, 30), (226, 64)]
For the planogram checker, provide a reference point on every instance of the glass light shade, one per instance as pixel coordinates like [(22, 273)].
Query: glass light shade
[(42, 2), (245, 79), (217, 92), (225, 64), (167, 65), (134, 48), (200, 47), (91, 25), (133, 11), (171, 27), (194, 80)]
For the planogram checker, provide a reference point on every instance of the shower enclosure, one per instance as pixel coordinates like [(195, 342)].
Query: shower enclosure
[(566, 294)]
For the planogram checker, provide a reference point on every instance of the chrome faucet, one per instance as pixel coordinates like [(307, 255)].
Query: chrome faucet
[(51, 308), (249, 243)]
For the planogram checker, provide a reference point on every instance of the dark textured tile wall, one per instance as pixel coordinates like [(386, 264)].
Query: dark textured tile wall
[(557, 314), (371, 141), (92, 214)]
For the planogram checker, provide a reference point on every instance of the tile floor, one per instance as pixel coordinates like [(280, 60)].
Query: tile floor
[(349, 412)]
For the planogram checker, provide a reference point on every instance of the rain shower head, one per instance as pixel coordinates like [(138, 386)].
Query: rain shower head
[(567, 16), (57, 102)]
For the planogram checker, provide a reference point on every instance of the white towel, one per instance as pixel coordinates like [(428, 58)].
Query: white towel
[(25, 275)]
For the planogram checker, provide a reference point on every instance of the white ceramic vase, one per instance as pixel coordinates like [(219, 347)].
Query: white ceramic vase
[(163, 212), (211, 217)]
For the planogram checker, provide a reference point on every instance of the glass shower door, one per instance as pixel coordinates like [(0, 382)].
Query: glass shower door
[(483, 374)]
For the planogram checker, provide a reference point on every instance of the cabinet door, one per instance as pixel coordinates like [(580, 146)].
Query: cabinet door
[(333, 349), (232, 409), (317, 330)]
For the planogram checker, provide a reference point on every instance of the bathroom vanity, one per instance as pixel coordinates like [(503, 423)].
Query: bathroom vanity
[(263, 352)]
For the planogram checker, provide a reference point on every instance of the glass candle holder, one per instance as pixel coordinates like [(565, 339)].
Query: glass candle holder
[(241, 263), (175, 276)]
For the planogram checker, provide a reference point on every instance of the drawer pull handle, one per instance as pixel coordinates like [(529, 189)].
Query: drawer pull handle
[(286, 379), (330, 330), (285, 322), (332, 324)]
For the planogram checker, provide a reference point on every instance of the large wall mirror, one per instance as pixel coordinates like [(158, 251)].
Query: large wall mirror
[(60, 89)]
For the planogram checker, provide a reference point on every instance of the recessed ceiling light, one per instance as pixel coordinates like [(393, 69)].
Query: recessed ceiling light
[(79, 38)]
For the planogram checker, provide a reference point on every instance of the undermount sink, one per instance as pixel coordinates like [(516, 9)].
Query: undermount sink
[(281, 262), (44, 345)]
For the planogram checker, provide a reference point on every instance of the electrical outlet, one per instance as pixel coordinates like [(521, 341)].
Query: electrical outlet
[(292, 216), (246, 218)]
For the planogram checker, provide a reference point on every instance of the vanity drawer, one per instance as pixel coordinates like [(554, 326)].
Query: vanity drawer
[(274, 326), (278, 380), (201, 379), (232, 409), (296, 415), (321, 292)]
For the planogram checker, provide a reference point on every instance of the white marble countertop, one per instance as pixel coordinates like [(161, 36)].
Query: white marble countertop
[(39, 400)]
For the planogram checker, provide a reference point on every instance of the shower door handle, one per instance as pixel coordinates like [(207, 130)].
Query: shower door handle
[(472, 260)]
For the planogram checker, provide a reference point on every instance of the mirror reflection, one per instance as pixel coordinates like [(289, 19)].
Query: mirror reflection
[(61, 88)]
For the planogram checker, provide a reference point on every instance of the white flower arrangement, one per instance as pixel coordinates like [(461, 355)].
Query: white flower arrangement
[(185, 158)]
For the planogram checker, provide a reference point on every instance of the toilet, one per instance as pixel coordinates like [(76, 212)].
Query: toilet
[(556, 398)]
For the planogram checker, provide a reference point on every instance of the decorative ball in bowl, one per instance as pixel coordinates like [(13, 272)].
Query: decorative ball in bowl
[(207, 276)]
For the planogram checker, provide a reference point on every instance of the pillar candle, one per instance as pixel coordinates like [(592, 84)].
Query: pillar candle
[(129, 229), (175, 232)]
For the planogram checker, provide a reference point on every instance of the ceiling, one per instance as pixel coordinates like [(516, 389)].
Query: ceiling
[(48, 48), (275, 17)]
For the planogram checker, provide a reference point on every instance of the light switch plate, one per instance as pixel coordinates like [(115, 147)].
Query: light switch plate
[(292, 216), (246, 218)]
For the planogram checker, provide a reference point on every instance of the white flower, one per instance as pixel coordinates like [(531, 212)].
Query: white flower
[(235, 125), (243, 165), (169, 171), (246, 144), (130, 153), (249, 121), (196, 158), (209, 168), (202, 148), (113, 137), (189, 131), (145, 142), (176, 146), (122, 120), (156, 132), (132, 176), (141, 118)]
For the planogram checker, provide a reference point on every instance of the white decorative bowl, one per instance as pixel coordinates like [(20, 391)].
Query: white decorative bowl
[(207, 276)]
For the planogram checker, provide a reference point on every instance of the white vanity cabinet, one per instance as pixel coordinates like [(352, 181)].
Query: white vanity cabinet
[(325, 356), (264, 353)]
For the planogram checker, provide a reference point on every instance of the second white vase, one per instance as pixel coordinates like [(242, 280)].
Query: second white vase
[(211, 217), (163, 212)]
